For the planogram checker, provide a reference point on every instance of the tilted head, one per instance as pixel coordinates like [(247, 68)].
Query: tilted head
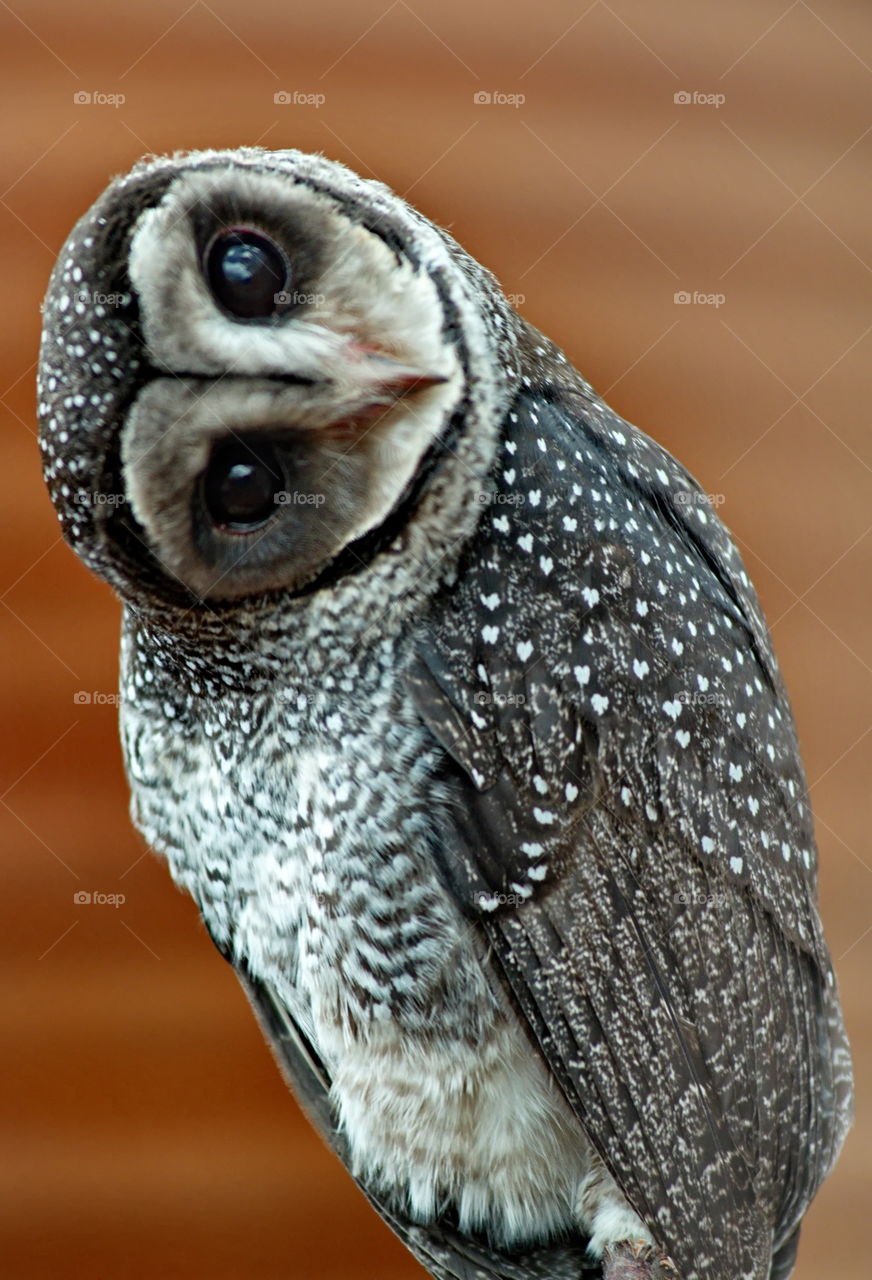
[(255, 365)]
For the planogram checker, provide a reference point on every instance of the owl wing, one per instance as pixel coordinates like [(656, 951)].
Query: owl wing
[(439, 1247), (625, 817)]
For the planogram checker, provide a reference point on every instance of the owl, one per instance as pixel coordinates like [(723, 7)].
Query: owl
[(447, 697)]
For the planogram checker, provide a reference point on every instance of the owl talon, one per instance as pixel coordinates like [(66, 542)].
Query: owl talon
[(636, 1260)]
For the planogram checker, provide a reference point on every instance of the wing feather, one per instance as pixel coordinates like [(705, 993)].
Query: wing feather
[(628, 822)]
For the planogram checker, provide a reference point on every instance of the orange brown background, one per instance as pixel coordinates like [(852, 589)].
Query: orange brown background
[(146, 1131)]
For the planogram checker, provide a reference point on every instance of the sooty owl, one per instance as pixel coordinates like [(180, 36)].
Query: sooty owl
[(447, 697)]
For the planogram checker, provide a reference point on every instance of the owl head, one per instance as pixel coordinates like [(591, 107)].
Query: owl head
[(256, 367)]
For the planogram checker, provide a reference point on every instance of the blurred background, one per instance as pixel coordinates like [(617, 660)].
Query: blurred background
[(679, 195)]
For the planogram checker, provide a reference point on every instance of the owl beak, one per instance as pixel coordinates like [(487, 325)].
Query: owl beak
[(384, 376)]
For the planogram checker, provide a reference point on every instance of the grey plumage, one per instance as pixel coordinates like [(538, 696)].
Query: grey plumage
[(481, 769)]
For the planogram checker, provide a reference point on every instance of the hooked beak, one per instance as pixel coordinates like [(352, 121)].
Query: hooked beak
[(384, 376)]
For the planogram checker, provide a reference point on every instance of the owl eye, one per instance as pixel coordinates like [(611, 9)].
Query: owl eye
[(248, 274), (241, 486)]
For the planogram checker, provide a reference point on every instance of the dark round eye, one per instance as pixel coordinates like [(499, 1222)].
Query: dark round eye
[(248, 274), (241, 486)]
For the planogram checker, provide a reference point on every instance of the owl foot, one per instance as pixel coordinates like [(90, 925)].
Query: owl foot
[(636, 1260)]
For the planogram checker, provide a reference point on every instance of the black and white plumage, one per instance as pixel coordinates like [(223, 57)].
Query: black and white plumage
[(464, 731)]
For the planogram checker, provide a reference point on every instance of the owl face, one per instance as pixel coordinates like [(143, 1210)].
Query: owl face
[(248, 357)]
